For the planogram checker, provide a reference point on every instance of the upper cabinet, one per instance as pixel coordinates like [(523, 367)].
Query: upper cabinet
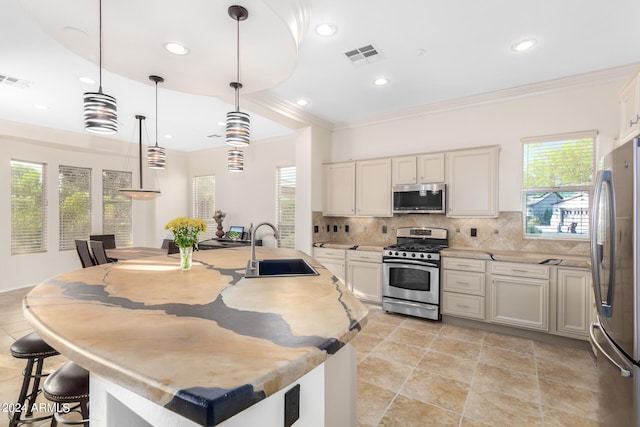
[(472, 182), (373, 187), (421, 169), (630, 109), (339, 189)]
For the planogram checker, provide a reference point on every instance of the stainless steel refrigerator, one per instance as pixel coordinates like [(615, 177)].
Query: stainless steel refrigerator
[(614, 259)]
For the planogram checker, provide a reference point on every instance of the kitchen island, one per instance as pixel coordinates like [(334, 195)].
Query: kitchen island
[(206, 346)]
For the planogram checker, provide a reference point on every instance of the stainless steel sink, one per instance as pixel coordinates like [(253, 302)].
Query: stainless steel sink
[(280, 268)]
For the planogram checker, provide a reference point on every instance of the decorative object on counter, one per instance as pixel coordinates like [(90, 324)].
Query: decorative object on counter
[(100, 109), (218, 216), (139, 193), (156, 155), (185, 236)]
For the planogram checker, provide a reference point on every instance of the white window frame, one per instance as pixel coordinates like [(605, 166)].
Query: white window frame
[(22, 241), (286, 221), (203, 204)]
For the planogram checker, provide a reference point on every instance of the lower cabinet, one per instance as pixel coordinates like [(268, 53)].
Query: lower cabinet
[(574, 302), (332, 259), (364, 274), (463, 287), (519, 301)]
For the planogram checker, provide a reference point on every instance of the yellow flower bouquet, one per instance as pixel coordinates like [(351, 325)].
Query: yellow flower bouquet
[(185, 236)]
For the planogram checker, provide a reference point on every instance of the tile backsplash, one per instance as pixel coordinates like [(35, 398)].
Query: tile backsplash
[(502, 233)]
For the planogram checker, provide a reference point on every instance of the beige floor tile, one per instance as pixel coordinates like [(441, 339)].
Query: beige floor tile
[(364, 343), (501, 358), (464, 334), (378, 329), (501, 409), (422, 325), (372, 403), (406, 412), (559, 352), (383, 373), (508, 342), (554, 418), (456, 347), (440, 391), (565, 398), (412, 337), (390, 318), (566, 371), (398, 352), (468, 422), (490, 379), (448, 366)]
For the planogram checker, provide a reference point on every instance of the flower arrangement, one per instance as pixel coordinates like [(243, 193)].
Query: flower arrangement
[(185, 230)]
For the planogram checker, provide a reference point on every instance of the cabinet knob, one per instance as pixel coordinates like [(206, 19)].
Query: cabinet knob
[(634, 122)]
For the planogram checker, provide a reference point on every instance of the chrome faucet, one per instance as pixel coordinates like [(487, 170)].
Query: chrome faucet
[(252, 262)]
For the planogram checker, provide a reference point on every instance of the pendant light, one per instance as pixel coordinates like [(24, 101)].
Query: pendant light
[(235, 160), (139, 193), (156, 156), (237, 130), (100, 110)]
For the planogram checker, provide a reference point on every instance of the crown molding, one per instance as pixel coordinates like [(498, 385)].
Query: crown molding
[(621, 73), (294, 114)]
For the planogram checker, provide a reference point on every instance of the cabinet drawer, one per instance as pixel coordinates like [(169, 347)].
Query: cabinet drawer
[(463, 282), (517, 269), (463, 305), (366, 256), (328, 253), (464, 264)]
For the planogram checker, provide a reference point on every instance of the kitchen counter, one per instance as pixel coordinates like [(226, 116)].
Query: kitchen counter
[(207, 343), (518, 256), (375, 247)]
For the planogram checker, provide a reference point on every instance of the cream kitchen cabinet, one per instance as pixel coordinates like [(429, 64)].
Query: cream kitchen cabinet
[(472, 182), (373, 187), (463, 287), (630, 109), (364, 274), (332, 259), (419, 169), (574, 303), (519, 295), (339, 189)]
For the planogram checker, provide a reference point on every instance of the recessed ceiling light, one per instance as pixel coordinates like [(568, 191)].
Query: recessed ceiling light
[(420, 52), (302, 102), (381, 81), (40, 106), (326, 30), (221, 123), (523, 45), (168, 136), (87, 80), (176, 48)]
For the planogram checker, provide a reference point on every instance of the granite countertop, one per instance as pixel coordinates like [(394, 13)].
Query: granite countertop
[(205, 343), (580, 261), (375, 247)]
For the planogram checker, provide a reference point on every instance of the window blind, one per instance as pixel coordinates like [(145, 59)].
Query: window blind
[(286, 206), (74, 185), (116, 208), (28, 207), (203, 189)]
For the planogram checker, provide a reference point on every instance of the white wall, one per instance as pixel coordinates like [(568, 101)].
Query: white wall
[(504, 123)]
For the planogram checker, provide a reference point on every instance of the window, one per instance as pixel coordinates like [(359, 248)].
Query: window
[(74, 185), (116, 208), (203, 202), (558, 173), (286, 206), (28, 207)]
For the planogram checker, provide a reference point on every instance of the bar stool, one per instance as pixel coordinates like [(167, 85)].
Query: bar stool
[(67, 386), (35, 350)]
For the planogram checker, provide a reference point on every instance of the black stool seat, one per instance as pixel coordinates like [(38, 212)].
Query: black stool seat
[(68, 384), (31, 346)]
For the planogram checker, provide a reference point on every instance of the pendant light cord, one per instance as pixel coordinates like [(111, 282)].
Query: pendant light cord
[(100, 30), (156, 113), (238, 64)]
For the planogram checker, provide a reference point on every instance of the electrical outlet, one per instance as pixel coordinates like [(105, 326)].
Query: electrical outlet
[(335, 228), (384, 229), (292, 406), (328, 229), (474, 232), (316, 228), (496, 231), (346, 228)]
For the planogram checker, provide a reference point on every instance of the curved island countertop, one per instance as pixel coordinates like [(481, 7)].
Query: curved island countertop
[(205, 343)]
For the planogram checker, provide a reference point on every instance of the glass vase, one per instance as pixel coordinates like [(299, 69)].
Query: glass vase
[(186, 258)]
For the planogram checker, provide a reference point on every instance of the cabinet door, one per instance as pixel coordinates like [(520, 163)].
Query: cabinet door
[(521, 302), (630, 109), (403, 170), (339, 189), (364, 279), (430, 168), (373, 187), (573, 302), (335, 266), (472, 183)]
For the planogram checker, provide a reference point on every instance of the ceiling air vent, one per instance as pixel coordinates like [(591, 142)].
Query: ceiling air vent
[(363, 55), (214, 135), (14, 81)]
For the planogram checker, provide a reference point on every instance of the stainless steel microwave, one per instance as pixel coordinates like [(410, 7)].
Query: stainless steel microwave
[(419, 198)]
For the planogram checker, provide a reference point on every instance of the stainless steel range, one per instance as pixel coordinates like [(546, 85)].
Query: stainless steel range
[(411, 272)]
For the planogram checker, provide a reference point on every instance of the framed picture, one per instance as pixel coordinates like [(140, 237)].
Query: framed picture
[(235, 232)]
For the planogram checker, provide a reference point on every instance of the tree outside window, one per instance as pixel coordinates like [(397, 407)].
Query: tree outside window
[(28, 207)]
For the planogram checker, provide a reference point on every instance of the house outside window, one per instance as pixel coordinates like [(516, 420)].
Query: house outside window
[(558, 172), (203, 206), (28, 207), (116, 208), (74, 186), (286, 206)]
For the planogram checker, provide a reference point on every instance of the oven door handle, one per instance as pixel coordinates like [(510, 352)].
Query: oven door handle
[(409, 261)]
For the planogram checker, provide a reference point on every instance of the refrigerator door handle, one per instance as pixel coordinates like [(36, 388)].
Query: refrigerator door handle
[(604, 307), (623, 369)]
